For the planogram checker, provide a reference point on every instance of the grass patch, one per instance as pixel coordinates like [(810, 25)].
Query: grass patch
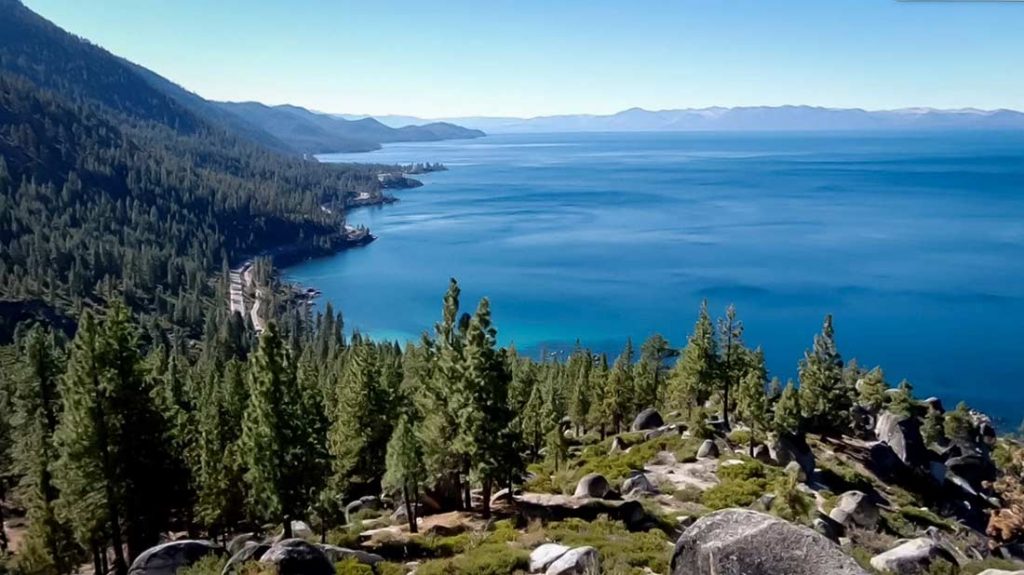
[(352, 567), (209, 565), (928, 518), (620, 550), (487, 559)]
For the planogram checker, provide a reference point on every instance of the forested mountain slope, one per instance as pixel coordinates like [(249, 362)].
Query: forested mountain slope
[(106, 181)]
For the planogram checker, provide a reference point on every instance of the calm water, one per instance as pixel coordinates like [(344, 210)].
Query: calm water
[(914, 242)]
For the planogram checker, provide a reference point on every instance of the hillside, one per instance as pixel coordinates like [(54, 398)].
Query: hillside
[(314, 133), (110, 183)]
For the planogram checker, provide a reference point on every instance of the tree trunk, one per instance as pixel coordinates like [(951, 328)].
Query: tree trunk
[(97, 564), (3, 532), (287, 529), (409, 509), (487, 498), (467, 498)]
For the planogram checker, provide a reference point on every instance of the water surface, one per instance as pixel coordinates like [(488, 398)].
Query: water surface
[(914, 242)]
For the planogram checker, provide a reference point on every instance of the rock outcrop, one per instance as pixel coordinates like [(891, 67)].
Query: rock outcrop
[(579, 561), (298, 557), (251, 551), (647, 419), (542, 557), (786, 447), (338, 554), (903, 435), (168, 558), (914, 556), (707, 450), (592, 485), (855, 508), (745, 542)]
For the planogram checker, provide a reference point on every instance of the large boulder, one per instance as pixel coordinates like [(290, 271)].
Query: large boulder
[(637, 484), (903, 435), (786, 447), (707, 450), (976, 468), (338, 554), (579, 561), (249, 552), (855, 508), (745, 542), (168, 558), (914, 556), (1000, 572), (298, 557), (647, 419), (592, 485), (542, 557)]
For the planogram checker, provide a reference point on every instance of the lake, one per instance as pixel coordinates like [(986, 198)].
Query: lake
[(915, 242)]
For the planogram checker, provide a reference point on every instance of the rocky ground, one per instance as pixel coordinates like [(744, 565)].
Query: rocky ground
[(659, 500)]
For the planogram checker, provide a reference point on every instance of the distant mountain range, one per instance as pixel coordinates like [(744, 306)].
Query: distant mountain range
[(313, 133), (758, 118)]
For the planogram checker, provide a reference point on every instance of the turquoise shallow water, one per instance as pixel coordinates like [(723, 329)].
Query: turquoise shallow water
[(914, 242)]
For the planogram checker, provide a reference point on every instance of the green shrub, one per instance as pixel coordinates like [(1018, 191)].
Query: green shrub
[(927, 518), (620, 550), (209, 565), (352, 567), (487, 559), (976, 567), (728, 494), (739, 437), (387, 568)]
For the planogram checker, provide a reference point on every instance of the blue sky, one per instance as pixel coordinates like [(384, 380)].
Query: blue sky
[(539, 57)]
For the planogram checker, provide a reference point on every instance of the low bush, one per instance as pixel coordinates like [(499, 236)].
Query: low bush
[(927, 518), (487, 559), (352, 567), (737, 493), (620, 550), (209, 565)]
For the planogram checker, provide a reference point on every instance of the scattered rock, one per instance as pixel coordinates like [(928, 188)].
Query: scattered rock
[(762, 454), (707, 450), (855, 508), (618, 445), (1000, 572), (365, 502), (505, 495), (250, 552), (298, 557), (546, 507), (647, 419), (238, 542), (934, 404), (914, 556), (793, 469), (638, 484), (903, 435), (671, 429), (338, 554), (974, 467), (168, 558), (592, 485), (828, 527), (302, 530), (579, 561), (745, 542), (542, 557), (786, 447)]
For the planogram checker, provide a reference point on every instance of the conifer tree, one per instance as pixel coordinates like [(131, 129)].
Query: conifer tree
[(732, 357), (599, 391), (86, 470), (932, 430), (752, 398), (619, 393), (271, 444), (872, 389), (958, 426), (825, 396), (902, 403), (579, 402), (787, 417), (37, 408), (649, 373), (695, 375), (405, 470)]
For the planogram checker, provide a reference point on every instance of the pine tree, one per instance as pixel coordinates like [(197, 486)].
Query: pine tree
[(825, 397), (695, 375), (271, 445), (902, 403), (85, 472), (37, 407), (619, 393), (787, 417), (599, 392), (752, 398), (405, 470), (649, 373), (958, 426), (872, 389), (580, 400), (732, 357), (932, 430)]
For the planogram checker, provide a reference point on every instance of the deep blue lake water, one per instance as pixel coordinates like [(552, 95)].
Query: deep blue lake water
[(914, 242)]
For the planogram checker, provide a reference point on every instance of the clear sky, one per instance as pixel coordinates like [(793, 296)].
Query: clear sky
[(537, 57)]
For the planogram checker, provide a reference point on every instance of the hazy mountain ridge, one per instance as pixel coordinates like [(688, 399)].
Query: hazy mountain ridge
[(753, 118), (313, 133)]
